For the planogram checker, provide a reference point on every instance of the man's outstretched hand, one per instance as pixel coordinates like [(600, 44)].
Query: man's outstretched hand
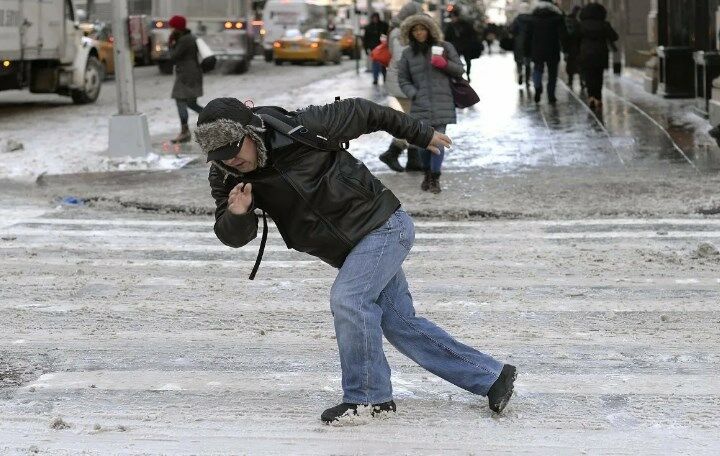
[(240, 199), (439, 140)]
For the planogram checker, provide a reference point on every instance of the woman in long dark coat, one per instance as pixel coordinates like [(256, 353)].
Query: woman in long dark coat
[(188, 85), (596, 32)]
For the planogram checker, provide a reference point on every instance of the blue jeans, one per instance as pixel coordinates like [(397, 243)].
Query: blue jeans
[(377, 69), (538, 69), (431, 161), (370, 298)]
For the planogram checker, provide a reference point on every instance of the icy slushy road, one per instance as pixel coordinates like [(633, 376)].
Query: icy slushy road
[(143, 334)]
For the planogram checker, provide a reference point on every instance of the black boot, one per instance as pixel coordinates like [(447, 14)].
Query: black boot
[(538, 95), (414, 162), (426, 182), (390, 158), (715, 133), (434, 186), (501, 391), (346, 410), (184, 135)]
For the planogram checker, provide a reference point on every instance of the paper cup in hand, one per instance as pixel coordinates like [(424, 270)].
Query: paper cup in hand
[(437, 50)]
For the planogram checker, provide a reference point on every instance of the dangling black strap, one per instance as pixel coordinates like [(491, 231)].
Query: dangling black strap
[(262, 248)]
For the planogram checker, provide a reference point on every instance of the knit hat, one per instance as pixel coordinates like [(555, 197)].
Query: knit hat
[(178, 22), (223, 125)]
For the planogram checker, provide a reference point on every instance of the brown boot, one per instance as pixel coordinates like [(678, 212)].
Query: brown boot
[(184, 135), (434, 183), (426, 182)]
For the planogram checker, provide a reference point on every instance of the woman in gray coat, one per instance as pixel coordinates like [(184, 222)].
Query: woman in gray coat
[(424, 77), (188, 85)]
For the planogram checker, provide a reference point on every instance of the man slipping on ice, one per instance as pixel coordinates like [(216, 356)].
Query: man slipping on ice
[(293, 167)]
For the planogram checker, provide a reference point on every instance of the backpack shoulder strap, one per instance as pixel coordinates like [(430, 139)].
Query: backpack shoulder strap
[(280, 121)]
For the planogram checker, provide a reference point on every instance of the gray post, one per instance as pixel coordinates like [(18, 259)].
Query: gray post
[(129, 133)]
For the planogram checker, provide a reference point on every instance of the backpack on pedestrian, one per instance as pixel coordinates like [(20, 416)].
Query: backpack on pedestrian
[(381, 54)]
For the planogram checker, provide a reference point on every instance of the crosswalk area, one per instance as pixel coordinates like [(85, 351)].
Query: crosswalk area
[(147, 323)]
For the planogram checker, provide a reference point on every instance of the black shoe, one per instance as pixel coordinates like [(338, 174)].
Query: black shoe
[(715, 133), (414, 163), (346, 410), (383, 408), (538, 94), (552, 100), (337, 412), (390, 158), (501, 391)]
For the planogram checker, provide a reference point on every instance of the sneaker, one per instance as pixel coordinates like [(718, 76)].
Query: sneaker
[(347, 410), (501, 391)]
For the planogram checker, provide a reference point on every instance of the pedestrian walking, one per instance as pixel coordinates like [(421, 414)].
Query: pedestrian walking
[(572, 48), (462, 35), (518, 29), (546, 33), (188, 86), (324, 202), (596, 32), (392, 85), (371, 39), (425, 70)]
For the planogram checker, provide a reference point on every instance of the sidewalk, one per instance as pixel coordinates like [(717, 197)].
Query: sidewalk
[(511, 157)]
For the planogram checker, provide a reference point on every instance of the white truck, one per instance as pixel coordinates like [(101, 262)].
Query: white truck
[(225, 25), (43, 49)]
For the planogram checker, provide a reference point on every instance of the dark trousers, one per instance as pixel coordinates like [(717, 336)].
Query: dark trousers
[(538, 70), (594, 81), (183, 104), (468, 65), (524, 67)]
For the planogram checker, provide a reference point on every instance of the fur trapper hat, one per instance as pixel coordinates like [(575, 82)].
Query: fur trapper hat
[(227, 120)]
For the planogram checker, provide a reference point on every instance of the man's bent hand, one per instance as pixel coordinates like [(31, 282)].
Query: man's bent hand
[(439, 140), (240, 199)]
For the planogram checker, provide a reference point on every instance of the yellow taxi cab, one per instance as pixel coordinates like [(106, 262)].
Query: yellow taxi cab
[(345, 36), (316, 45), (101, 34)]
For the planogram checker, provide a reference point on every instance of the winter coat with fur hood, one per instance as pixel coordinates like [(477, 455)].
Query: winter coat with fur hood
[(323, 202), (546, 33), (392, 81), (188, 74), (428, 87)]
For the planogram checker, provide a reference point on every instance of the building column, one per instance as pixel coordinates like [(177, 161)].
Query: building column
[(714, 104)]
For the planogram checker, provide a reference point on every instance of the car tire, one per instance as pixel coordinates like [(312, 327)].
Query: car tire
[(242, 66), (278, 62), (94, 76), (165, 67)]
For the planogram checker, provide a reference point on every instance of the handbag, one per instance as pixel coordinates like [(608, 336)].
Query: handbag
[(206, 56), (381, 54), (463, 94)]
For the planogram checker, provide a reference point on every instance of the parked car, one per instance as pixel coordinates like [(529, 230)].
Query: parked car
[(345, 36), (316, 45)]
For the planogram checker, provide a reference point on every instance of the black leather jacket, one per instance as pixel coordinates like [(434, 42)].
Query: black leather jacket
[(323, 202)]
